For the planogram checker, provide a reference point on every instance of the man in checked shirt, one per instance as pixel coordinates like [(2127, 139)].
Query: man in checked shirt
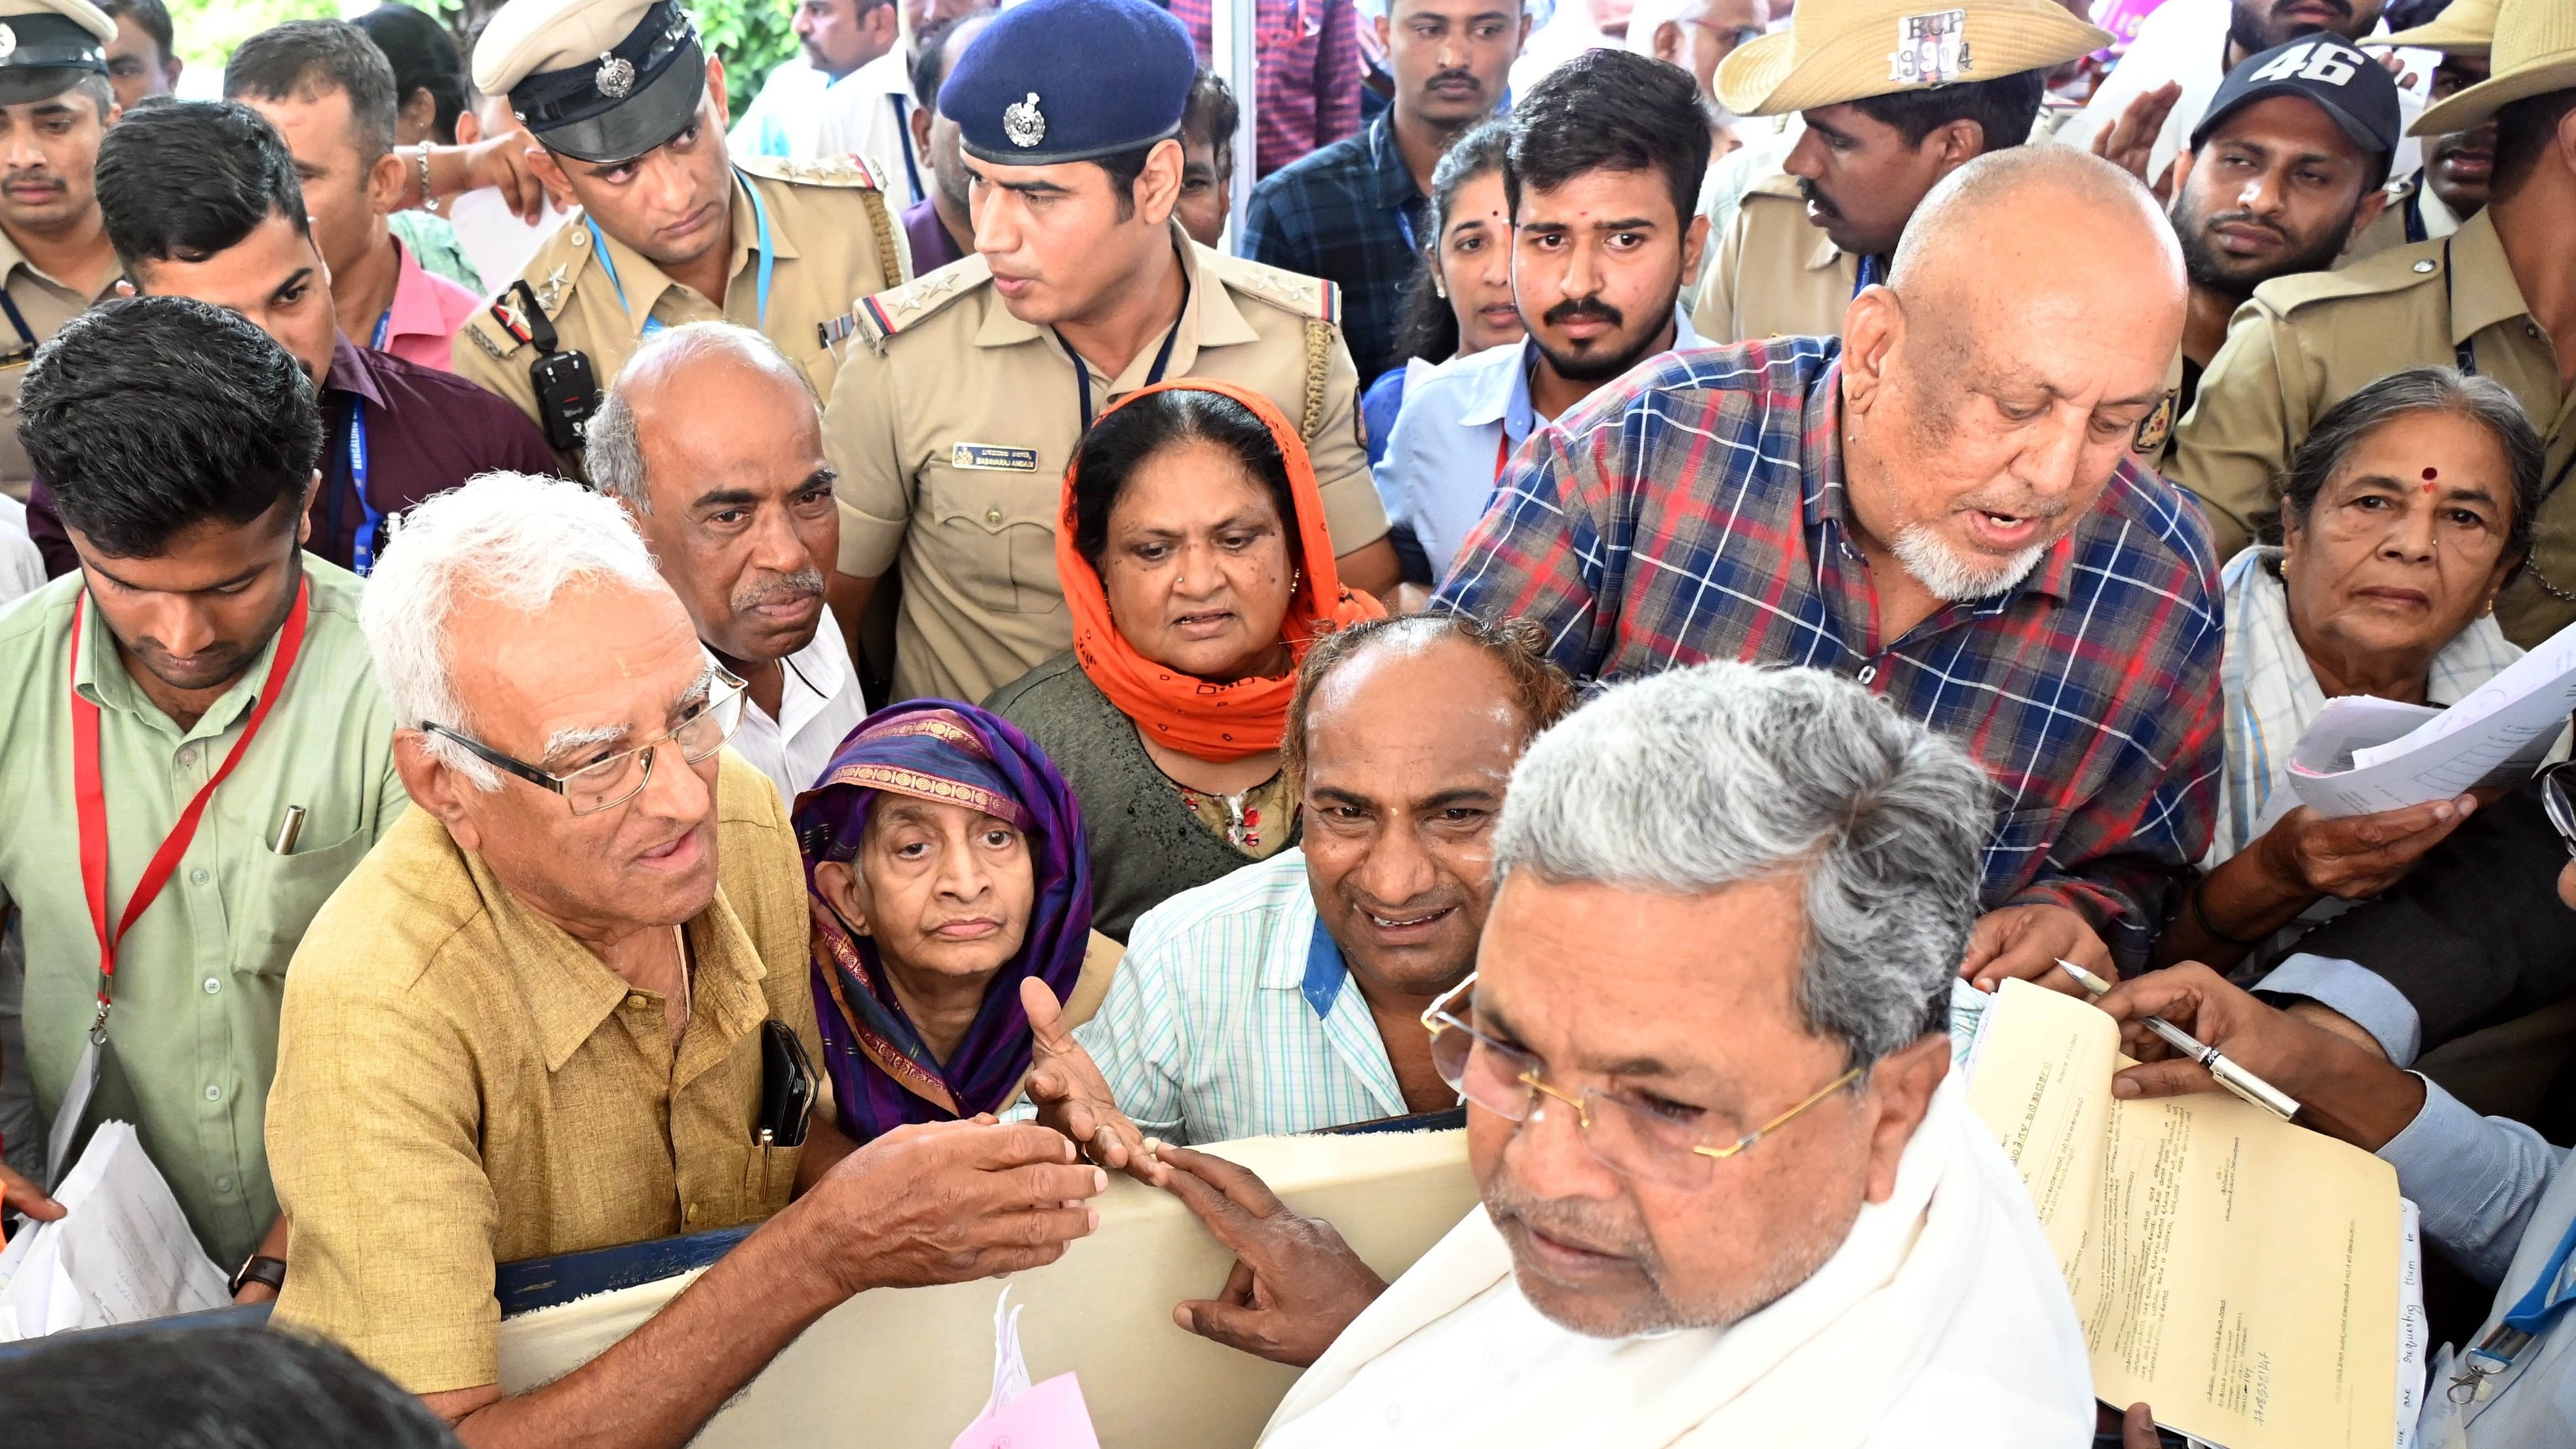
[(1942, 505)]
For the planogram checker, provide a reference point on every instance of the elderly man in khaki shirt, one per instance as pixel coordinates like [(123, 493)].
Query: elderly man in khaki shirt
[(535, 1019), (952, 425)]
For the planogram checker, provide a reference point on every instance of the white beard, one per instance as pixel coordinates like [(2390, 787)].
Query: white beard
[(1937, 568)]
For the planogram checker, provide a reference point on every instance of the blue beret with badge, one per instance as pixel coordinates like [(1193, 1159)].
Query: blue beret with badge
[(1052, 81)]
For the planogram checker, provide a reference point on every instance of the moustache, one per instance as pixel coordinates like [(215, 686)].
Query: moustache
[(31, 176), (1808, 193), (1447, 76), (1572, 1220), (802, 583), (2244, 218), (2340, 7), (1573, 307)]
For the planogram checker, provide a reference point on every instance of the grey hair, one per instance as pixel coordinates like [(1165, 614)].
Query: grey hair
[(2481, 400), (506, 538), (1712, 776), (613, 451)]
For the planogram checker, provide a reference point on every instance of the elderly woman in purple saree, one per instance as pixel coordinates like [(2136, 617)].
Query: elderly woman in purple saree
[(944, 865)]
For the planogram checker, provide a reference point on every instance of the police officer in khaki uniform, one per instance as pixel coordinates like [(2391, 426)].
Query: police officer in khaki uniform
[(2417, 208), (55, 106), (1810, 235), (629, 111), (2306, 342), (953, 423)]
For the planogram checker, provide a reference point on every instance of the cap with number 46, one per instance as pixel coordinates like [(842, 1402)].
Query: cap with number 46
[(2356, 92)]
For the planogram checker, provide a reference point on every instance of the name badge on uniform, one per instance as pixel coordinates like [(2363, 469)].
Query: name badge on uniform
[(1931, 49), (992, 458)]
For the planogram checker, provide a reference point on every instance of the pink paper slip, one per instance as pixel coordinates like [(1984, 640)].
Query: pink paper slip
[(1050, 1415)]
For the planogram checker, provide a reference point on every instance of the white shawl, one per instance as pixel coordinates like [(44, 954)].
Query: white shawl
[(1952, 1260)]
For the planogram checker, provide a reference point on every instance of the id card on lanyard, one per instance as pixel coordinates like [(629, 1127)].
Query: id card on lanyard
[(652, 324), (2530, 1317), (89, 794)]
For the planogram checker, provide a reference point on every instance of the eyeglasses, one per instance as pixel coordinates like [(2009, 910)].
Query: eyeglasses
[(1635, 1140), (2554, 800), (609, 783)]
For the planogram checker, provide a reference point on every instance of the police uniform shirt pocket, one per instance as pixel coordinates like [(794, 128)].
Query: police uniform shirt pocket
[(991, 508), (286, 891)]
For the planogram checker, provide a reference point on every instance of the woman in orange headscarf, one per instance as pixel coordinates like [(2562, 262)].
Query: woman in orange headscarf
[(1195, 563)]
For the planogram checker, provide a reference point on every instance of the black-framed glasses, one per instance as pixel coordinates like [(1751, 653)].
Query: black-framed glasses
[(609, 783), (1636, 1140), (2555, 800)]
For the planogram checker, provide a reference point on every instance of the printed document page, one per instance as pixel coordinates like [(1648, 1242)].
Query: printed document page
[(2237, 1272), (121, 1252), (2362, 755)]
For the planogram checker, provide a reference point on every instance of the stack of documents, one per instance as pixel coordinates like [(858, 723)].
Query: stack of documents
[(2240, 1274), (121, 1252), (2363, 755)]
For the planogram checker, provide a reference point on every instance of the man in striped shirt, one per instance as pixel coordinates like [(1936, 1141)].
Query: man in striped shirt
[(1288, 996), (1942, 506)]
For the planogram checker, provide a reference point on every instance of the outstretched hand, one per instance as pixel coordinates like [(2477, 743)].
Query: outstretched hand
[(1072, 1096), (1295, 1286)]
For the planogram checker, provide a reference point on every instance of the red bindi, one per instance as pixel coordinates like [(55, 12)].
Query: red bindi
[(2429, 475)]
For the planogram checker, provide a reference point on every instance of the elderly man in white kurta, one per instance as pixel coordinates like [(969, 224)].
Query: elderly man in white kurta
[(1729, 1196)]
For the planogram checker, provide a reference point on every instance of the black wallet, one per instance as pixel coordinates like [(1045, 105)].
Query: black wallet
[(786, 1087)]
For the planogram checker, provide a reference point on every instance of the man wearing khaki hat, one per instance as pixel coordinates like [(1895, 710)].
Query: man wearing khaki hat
[(627, 110), (55, 107), (1896, 94), (2488, 299), (2459, 166)]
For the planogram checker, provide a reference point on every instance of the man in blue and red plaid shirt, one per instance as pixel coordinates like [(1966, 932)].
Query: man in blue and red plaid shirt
[(1942, 506)]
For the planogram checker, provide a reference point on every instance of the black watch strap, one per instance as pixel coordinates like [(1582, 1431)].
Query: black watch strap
[(259, 1268)]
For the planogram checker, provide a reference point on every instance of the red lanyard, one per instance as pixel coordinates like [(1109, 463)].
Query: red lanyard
[(1502, 453), (89, 793)]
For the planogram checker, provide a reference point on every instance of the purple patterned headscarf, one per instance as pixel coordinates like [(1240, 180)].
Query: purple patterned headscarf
[(950, 753)]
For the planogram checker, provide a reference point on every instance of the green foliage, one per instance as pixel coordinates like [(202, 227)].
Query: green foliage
[(751, 35), (205, 31)]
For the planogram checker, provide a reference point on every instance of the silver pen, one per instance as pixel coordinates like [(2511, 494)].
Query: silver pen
[(2229, 1075), (290, 828)]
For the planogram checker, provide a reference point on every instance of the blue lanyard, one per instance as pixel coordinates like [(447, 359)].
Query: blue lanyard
[(1869, 275), (384, 325), (903, 135), (2527, 1320), (1162, 359), (608, 264), (362, 551)]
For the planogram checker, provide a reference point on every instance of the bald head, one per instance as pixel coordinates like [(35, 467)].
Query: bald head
[(2032, 315), (713, 441), (2040, 221)]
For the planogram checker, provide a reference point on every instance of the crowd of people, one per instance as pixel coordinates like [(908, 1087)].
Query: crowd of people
[(1598, 569)]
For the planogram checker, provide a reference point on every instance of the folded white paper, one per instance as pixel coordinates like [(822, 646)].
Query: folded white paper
[(122, 1251), (2362, 755)]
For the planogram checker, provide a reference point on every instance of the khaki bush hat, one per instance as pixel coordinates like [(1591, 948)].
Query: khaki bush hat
[(2465, 27), (2534, 53), (1845, 50)]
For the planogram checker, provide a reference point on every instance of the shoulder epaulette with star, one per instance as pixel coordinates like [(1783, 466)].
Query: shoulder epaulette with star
[(852, 171), (1289, 291), (880, 318)]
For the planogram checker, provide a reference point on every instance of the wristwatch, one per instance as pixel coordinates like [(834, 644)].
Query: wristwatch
[(258, 1268)]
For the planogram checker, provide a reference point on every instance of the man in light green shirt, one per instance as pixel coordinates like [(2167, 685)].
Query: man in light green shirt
[(178, 439)]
